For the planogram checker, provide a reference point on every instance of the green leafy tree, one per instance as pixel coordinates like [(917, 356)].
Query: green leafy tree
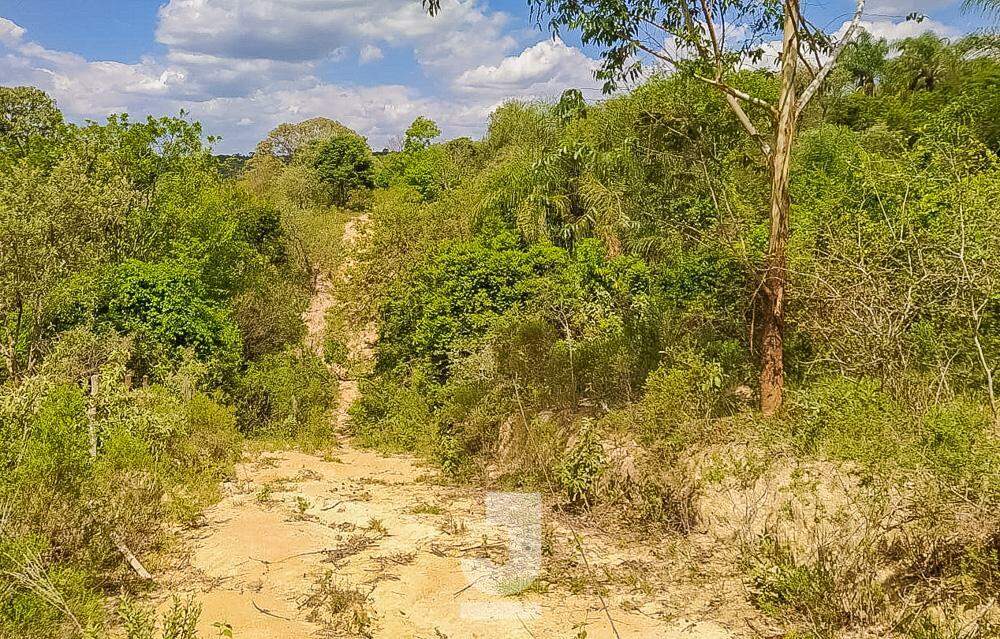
[(419, 165), (420, 134), (864, 60), (344, 162), (628, 31), (285, 140), (924, 62), (52, 221), (166, 308), (28, 118), (570, 106), (455, 296)]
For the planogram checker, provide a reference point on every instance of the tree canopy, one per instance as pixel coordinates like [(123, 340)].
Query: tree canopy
[(287, 139), (345, 163), (420, 134)]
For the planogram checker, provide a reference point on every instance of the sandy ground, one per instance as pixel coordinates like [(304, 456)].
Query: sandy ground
[(296, 532), (354, 543)]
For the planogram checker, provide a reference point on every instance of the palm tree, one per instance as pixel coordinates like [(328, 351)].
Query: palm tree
[(986, 6), (865, 60), (924, 61)]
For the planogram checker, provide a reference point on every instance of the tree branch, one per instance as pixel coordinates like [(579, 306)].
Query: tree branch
[(739, 95), (716, 47), (731, 94), (824, 71), (744, 119), (653, 52)]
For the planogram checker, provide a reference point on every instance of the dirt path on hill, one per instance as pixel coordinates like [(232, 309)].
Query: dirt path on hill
[(354, 543)]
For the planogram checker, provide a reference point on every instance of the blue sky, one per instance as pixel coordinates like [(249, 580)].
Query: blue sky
[(244, 66)]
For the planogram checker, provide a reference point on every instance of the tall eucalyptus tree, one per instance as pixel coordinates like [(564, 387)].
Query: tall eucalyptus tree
[(712, 40)]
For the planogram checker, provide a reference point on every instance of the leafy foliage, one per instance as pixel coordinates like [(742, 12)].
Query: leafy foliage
[(420, 134), (570, 302), (574, 301), (344, 163), (135, 279), (165, 308)]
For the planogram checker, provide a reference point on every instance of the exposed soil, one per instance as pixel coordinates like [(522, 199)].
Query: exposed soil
[(354, 543)]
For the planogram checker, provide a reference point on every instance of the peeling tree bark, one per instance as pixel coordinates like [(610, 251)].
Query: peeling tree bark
[(772, 372)]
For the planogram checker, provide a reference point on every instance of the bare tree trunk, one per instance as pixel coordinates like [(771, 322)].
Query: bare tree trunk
[(772, 371)]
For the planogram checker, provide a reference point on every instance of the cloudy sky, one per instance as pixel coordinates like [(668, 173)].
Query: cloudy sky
[(243, 66)]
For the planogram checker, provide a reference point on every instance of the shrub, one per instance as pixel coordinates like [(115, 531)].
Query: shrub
[(679, 395), (179, 621), (210, 440), (860, 421), (455, 297), (782, 586), (582, 466), (344, 163), (203, 453), (160, 454), (269, 315), (393, 417), (42, 599), (337, 329), (46, 462), (165, 308), (288, 395), (451, 455)]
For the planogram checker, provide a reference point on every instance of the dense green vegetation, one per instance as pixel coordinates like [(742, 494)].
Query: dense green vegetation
[(581, 287), (141, 345), (570, 304)]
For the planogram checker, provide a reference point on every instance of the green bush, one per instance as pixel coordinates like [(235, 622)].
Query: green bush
[(202, 454), (210, 440), (166, 308), (43, 599), (393, 417), (46, 463), (344, 163), (582, 466), (179, 621), (287, 395), (266, 325), (860, 421), (454, 298), (784, 587), (160, 454)]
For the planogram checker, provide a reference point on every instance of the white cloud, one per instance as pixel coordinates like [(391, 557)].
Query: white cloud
[(91, 89), (245, 66), (213, 76), (370, 53), (465, 32), (242, 67), (902, 8), (889, 30), (10, 33), (242, 98), (379, 112), (547, 67), (893, 31)]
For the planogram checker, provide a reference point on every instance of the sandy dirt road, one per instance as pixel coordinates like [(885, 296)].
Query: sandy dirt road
[(359, 544), (354, 543)]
